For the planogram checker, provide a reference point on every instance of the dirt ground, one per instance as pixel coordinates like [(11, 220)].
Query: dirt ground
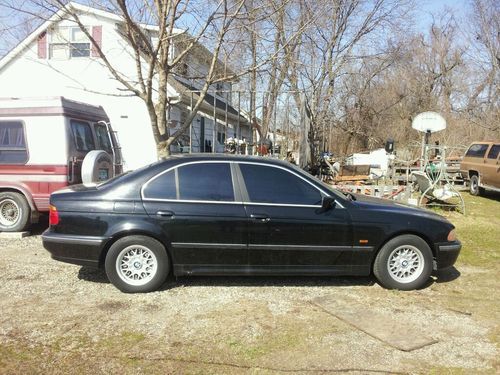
[(58, 318)]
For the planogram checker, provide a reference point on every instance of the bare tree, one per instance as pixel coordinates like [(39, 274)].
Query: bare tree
[(326, 49), (150, 28)]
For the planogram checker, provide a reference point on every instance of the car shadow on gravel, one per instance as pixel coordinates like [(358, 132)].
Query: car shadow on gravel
[(267, 281), (445, 276), (96, 275)]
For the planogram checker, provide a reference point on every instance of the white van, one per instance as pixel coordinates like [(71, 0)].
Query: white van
[(47, 144)]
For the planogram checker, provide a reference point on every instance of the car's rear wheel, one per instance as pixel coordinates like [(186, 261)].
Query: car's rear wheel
[(137, 264), (404, 263), (474, 187), (14, 212)]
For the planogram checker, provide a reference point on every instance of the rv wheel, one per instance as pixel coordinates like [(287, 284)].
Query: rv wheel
[(14, 212)]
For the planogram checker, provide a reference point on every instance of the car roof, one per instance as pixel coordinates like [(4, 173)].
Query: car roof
[(226, 157), (483, 142)]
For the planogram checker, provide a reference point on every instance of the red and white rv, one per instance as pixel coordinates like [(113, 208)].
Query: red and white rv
[(47, 144)]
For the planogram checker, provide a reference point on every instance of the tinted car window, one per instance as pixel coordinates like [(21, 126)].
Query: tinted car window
[(206, 182), (82, 135), (103, 142), (477, 151), (274, 185), (12, 143), (493, 154), (162, 187)]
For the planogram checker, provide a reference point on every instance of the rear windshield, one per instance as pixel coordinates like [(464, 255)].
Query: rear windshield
[(477, 151)]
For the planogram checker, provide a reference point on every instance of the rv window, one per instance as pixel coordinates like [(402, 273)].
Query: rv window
[(12, 143), (103, 143), (82, 135)]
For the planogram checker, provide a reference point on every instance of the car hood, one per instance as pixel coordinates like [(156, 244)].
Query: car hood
[(366, 202)]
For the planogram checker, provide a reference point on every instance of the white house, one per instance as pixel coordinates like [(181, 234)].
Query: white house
[(57, 59)]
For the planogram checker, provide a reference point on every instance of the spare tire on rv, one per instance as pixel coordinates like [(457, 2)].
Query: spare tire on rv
[(97, 166)]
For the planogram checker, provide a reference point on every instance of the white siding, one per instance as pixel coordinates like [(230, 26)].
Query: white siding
[(87, 80)]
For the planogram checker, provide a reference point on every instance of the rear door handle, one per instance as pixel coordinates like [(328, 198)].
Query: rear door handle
[(165, 213), (263, 218)]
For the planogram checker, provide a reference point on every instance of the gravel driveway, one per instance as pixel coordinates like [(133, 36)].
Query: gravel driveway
[(60, 318)]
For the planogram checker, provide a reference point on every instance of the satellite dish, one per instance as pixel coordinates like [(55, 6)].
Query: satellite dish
[(429, 122)]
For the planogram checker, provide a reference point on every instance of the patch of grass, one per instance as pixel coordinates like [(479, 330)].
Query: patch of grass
[(267, 344), (125, 340), (479, 231)]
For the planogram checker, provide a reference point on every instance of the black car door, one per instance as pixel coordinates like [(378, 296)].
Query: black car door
[(202, 215), (288, 231)]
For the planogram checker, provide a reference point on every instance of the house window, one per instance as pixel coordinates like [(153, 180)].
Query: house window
[(69, 42)]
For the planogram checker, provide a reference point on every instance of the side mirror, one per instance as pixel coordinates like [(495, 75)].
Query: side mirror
[(327, 203)]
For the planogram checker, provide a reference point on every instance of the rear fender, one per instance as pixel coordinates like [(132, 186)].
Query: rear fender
[(140, 227)]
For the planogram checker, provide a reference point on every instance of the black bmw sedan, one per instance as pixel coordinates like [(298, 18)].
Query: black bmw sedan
[(237, 215)]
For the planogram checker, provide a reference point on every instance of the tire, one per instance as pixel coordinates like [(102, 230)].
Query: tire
[(474, 187), (149, 258), (95, 162), (14, 212), (404, 263)]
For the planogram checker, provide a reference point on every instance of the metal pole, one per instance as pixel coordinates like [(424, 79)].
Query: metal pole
[(225, 119), (287, 123), (238, 130), (191, 128), (274, 125), (214, 130)]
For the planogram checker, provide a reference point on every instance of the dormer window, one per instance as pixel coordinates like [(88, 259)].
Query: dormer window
[(68, 42)]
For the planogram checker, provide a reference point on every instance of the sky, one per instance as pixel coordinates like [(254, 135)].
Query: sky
[(425, 9), (423, 15)]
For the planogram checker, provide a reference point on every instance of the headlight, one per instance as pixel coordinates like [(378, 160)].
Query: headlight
[(452, 236)]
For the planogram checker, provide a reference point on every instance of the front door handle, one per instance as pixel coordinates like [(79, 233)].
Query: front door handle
[(165, 213), (263, 218)]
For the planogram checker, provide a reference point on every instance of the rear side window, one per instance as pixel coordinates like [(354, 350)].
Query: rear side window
[(493, 154), (162, 187), (13, 148), (206, 182), (198, 182), (476, 151), (274, 185), (82, 135), (103, 142)]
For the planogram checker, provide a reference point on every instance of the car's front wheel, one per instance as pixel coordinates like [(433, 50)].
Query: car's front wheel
[(137, 264), (404, 263)]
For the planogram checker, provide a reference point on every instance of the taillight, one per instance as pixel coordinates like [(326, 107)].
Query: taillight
[(53, 215), (452, 236)]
